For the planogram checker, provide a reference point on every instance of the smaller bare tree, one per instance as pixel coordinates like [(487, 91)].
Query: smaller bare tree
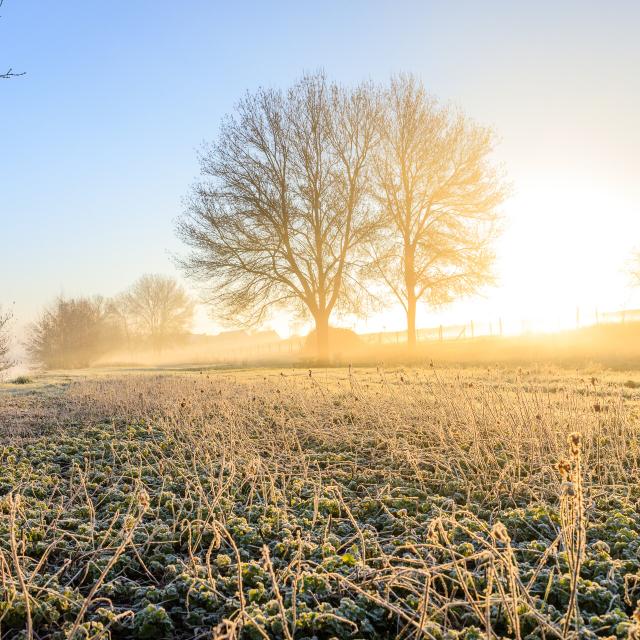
[(5, 340), (439, 195), (158, 309)]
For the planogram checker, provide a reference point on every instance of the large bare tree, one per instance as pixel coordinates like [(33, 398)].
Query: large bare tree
[(158, 309), (440, 195), (283, 208)]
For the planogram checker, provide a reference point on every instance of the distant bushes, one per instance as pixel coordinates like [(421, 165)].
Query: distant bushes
[(73, 333), (5, 340)]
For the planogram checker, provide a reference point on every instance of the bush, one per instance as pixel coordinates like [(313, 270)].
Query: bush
[(5, 343), (71, 334)]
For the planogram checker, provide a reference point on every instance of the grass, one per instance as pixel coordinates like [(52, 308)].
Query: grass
[(478, 503)]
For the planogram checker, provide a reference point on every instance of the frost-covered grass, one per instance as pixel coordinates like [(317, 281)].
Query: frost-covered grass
[(369, 504)]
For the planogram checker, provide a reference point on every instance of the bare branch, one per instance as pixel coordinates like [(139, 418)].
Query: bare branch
[(10, 73)]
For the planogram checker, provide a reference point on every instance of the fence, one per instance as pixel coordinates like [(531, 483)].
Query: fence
[(440, 333), (283, 349)]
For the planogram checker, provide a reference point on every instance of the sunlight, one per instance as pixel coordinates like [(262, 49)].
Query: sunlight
[(566, 250), (559, 265)]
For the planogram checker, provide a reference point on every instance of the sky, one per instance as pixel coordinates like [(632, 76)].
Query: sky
[(99, 140)]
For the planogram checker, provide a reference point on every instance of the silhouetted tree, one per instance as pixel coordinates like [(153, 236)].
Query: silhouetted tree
[(10, 73), (440, 196), (5, 340), (282, 211), (72, 333), (157, 309)]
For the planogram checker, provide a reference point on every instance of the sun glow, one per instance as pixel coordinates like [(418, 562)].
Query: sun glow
[(561, 263), (562, 259)]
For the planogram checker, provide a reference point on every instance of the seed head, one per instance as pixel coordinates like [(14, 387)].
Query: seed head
[(575, 440), (500, 532), (564, 468), (143, 500)]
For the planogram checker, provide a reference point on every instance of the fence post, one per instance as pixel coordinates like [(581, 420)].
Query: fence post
[(472, 331), (440, 333)]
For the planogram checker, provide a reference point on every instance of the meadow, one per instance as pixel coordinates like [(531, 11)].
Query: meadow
[(341, 503)]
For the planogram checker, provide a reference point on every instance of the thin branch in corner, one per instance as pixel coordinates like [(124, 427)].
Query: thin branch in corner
[(10, 73)]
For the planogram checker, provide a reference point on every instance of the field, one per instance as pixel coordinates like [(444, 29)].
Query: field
[(368, 503)]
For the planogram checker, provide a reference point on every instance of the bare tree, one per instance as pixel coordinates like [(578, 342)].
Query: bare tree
[(283, 210), (5, 340), (10, 73), (157, 308), (440, 197), (72, 333)]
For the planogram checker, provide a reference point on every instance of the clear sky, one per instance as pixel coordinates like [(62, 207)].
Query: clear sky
[(98, 140)]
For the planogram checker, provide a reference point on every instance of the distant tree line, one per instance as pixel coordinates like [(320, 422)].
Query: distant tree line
[(154, 313), (325, 198)]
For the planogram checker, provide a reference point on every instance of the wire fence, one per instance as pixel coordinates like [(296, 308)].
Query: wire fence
[(296, 345)]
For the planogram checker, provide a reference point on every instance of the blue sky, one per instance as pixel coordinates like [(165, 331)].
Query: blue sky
[(98, 140)]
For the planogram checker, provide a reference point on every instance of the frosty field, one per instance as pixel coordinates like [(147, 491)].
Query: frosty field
[(404, 503)]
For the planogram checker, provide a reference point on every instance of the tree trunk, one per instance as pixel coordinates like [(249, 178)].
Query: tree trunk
[(410, 283), (322, 336), (411, 323)]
